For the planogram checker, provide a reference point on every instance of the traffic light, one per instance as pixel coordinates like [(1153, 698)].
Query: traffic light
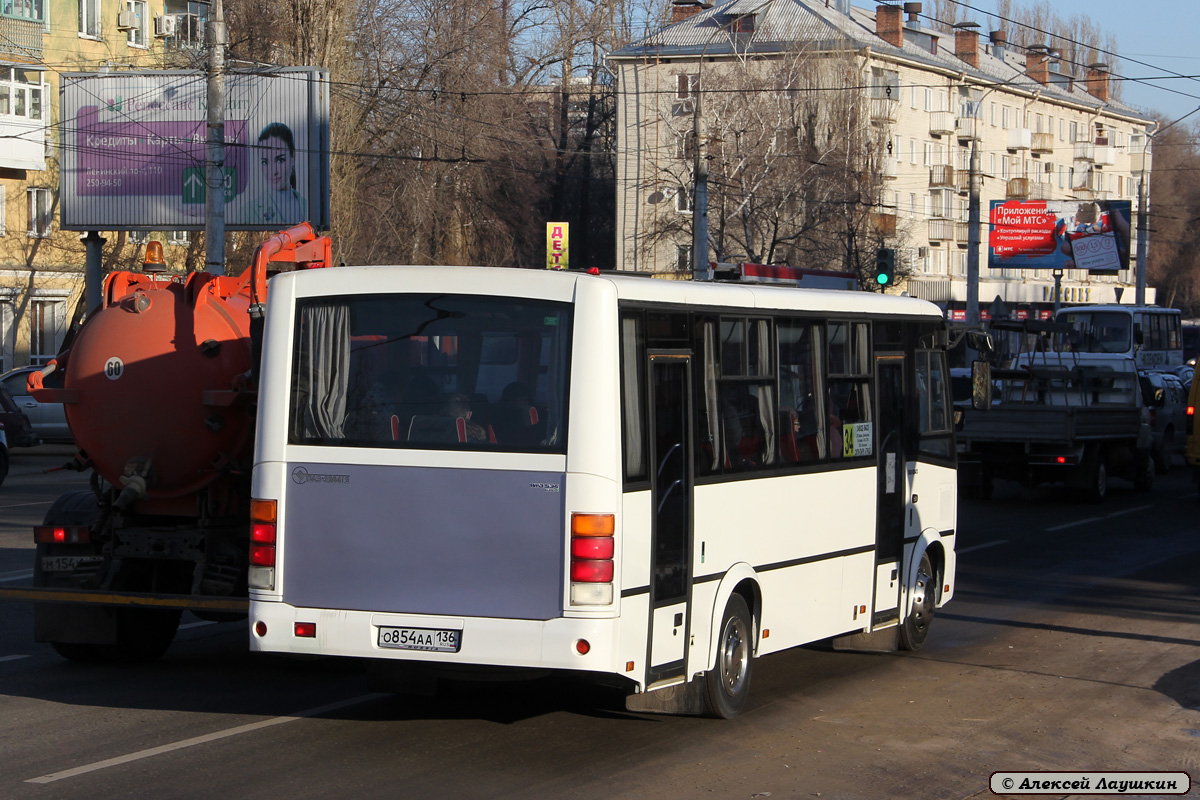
[(885, 267)]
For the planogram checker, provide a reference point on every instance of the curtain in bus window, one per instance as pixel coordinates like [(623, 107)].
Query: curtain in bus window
[(802, 418), (712, 428), (632, 349), (761, 361), (324, 370)]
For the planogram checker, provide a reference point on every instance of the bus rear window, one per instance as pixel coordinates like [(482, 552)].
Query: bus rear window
[(431, 372)]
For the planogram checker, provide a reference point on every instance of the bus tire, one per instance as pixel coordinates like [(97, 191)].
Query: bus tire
[(727, 684), (915, 627)]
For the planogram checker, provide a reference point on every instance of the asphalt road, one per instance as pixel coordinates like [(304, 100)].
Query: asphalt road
[(1073, 644)]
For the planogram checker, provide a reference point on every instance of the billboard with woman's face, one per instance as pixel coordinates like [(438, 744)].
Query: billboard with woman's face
[(134, 150)]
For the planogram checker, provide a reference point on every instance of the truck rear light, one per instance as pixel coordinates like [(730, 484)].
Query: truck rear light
[(263, 533), (1191, 418), (61, 534), (306, 630), (592, 549)]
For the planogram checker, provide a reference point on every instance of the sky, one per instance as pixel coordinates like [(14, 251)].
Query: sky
[(1155, 38)]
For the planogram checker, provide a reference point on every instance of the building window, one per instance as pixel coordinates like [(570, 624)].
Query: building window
[(45, 330), (687, 87), (179, 238), (22, 93), (683, 200), (40, 207), (89, 18), (139, 237), (683, 258), (23, 9), (135, 10)]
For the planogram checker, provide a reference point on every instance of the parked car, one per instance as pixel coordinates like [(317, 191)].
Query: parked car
[(1166, 397), (16, 425), (49, 419)]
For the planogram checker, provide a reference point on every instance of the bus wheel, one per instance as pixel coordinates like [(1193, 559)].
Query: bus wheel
[(728, 683), (915, 627)]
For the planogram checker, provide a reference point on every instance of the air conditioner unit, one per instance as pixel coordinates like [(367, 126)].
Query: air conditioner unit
[(126, 21), (165, 25)]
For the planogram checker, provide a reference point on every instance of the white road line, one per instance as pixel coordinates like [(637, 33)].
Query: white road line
[(980, 546), (1077, 522), (22, 505), (23, 576), (1127, 511), (210, 737), (199, 624), (12, 658)]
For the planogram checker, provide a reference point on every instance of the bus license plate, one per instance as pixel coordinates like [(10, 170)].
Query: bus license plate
[(428, 639)]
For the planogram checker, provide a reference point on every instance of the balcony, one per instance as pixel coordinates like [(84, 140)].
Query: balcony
[(885, 224), (889, 168), (1090, 186), (968, 129), (1085, 151), (1105, 155), (941, 176), (1040, 191), (962, 233), (21, 37), (1138, 161), (1020, 139), (884, 109), (962, 181), (1043, 143), (941, 123), (941, 230), (1017, 189)]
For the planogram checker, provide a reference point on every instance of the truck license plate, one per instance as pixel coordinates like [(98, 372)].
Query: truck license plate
[(429, 639), (63, 563)]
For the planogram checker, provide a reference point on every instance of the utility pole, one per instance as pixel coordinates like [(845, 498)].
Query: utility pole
[(214, 168), (1143, 231), (972, 315), (700, 266)]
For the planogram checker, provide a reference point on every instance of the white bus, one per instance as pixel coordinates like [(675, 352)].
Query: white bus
[(1151, 336), (648, 481)]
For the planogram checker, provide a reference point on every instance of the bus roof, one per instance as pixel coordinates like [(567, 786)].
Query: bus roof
[(553, 284)]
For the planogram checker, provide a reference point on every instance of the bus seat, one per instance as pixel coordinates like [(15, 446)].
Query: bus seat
[(395, 428), (789, 449), (434, 428)]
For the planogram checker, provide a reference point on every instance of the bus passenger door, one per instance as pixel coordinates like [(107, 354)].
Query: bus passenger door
[(892, 487), (671, 491)]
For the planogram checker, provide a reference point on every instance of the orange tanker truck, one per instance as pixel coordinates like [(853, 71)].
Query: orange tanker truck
[(159, 388)]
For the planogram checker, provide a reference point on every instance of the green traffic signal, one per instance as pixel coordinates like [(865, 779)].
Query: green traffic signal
[(885, 266)]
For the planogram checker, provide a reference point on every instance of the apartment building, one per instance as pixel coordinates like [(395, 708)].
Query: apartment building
[(926, 98), (41, 265)]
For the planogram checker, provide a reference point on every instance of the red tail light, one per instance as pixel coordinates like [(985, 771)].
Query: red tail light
[(59, 534), (592, 549), (262, 543), (306, 630)]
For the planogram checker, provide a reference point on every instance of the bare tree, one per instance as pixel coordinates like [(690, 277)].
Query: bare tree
[(1173, 262)]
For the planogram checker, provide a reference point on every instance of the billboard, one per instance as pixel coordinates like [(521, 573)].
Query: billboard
[(134, 146), (1060, 234)]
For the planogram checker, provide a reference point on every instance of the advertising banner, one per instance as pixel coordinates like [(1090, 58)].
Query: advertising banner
[(1060, 234), (134, 148)]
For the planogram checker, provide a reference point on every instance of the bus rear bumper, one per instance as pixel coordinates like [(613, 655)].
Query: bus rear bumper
[(561, 643)]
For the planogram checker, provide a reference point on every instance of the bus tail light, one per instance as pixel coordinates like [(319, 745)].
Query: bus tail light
[(262, 543), (592, 548)]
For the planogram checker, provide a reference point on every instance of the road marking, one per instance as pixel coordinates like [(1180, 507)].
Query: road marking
[(197, 740), (199, 624), (1066, 525), (1127, 511), (17, 576), (980, 546), (19, 505), (12, 658)]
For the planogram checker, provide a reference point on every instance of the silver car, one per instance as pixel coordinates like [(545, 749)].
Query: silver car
[(1164, 394), (49, 420)]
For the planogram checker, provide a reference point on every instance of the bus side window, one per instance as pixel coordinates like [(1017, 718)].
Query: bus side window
[(802, 418), (633, 395)]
